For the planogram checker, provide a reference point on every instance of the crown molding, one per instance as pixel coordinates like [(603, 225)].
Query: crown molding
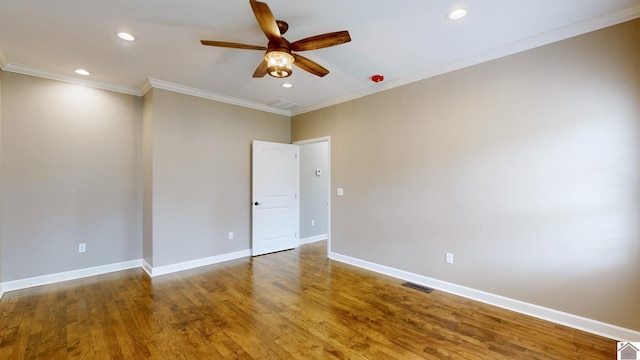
[(143, 89), (502, 51), (41, 73), (215, 96), (508, 49)]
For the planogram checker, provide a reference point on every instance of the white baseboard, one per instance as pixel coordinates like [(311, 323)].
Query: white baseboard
[(147, 268), (577, 322), (168, 269), (104, 269), (312, 239), (67, 275)]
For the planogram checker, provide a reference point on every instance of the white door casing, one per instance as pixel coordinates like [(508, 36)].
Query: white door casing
[(275, 205)]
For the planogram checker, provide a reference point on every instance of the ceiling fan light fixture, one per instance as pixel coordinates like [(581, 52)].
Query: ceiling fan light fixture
[(279, 63), (278, 58)]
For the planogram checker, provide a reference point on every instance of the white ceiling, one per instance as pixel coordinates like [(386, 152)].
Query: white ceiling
[(404, 40)]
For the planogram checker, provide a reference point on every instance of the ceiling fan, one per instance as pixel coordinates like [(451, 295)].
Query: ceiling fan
[(279, 54)]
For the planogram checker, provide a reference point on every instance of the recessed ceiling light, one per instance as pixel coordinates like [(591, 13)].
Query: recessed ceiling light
[(287, 85), (456, 14), (82, 72), (126, 36)]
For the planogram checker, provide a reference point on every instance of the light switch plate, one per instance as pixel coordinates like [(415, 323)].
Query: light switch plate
[(448, 258), (340, 191)]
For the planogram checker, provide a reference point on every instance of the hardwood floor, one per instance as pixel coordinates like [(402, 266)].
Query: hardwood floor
[(290, 305)]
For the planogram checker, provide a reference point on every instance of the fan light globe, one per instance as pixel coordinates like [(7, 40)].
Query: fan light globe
[(279, 63)]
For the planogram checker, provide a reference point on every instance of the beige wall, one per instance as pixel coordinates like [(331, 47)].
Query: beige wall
[(163, 178), (313, 189), (71, 158), (1, 72), (527, 168), (201, 189)]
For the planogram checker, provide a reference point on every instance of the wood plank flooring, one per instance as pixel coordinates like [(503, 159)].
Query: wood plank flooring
[(289, 305)]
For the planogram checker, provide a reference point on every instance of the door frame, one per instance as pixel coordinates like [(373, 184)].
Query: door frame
[(328, 140)]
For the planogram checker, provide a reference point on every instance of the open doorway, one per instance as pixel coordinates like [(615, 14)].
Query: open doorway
[(315, 188)]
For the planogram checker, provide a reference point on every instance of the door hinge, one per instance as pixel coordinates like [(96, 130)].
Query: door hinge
[(296, 235), (296, 195)]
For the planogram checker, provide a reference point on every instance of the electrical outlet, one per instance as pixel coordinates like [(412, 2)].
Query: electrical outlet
[(448, 258), (82, 247), (230, 235)]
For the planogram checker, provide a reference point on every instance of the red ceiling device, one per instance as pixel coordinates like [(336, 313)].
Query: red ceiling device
[(377, 78)]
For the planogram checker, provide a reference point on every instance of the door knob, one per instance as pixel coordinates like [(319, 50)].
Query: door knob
[(256, 203)]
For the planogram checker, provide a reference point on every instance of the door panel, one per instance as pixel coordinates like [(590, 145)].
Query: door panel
[(275, 209)]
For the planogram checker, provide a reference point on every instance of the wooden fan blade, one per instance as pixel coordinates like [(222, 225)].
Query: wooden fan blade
[(309, 65), (321, 41), (231, 45), (261, 70), (266, 20)]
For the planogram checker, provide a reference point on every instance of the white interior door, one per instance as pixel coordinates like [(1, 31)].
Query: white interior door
[(275, 208)]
